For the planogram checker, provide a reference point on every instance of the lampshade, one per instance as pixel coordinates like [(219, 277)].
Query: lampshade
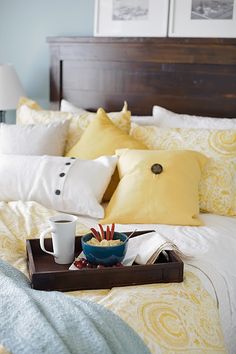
[(10, 87)]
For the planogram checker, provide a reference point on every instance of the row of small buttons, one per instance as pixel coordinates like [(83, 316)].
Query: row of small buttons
[(62, 174)]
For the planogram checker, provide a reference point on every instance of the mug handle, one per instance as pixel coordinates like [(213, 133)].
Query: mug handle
[(42, 236)]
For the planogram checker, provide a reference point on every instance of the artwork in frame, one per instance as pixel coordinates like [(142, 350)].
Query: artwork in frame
[(202, 18), (131, 18)]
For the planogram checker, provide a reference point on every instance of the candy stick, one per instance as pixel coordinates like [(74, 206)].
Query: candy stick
[(112, 231), (108, 233), (102, 232), (96, 234)]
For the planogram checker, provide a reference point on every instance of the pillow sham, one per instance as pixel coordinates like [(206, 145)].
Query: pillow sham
[(28, 102), (31, 139), (79, 121), (66, 106), (156, 187), (144, 120), (120, 119), (26, 115), (65, 184), (102, 137), (218, 182), (168, 119)]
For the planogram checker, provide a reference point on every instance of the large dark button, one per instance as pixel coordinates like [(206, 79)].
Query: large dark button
[(57, 192), (68, 163), (156, 168), (62, 174), (73, 157)]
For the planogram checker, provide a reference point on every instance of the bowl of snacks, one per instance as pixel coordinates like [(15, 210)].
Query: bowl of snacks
[(104, 247)]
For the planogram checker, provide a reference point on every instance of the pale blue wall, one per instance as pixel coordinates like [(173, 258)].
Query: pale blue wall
[(24, 26)]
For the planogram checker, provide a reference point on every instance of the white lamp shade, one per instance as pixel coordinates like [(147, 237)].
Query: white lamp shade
[(10, 88)]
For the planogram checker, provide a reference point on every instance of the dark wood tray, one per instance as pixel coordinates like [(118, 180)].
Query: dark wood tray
[(45, 274)]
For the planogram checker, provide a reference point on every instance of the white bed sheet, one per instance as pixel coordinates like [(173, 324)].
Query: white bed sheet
[(213, 248)]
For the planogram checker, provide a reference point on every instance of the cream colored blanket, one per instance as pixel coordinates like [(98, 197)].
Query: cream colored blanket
[(170, 318)]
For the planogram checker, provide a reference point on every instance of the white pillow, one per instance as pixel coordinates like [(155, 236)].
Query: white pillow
[(62, 183), (39, 139), (144, 120), (66, 106), (168, 119)]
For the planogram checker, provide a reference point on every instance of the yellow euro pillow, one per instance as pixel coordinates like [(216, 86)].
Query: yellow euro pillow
[(156, 187), (217, 188), (102, 137), (29, 112)]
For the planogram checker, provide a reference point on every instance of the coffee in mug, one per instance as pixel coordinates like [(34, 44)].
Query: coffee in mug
[(62, 228), (61, 221)]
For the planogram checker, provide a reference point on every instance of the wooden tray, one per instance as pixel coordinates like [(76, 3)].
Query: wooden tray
[(45, 274)]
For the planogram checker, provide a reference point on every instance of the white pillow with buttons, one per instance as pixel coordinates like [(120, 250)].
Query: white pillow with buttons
[(62, 183)]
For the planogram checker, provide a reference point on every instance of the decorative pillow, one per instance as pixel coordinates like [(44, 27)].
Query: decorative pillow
[(120, 119), (66, 106), (102, 137), (168, 119), (27, 115), (156, 187), (65, 184), (218, 183), (79, 121), (28, 102), (144, 120), (30, 139)]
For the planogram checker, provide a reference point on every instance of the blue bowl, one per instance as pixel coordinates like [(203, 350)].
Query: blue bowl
[(107, 256)]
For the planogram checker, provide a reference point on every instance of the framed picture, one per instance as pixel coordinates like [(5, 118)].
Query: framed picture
[(202, 18), (131, 18)]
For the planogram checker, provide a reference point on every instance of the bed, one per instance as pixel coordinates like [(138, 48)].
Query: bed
[(190, 76)]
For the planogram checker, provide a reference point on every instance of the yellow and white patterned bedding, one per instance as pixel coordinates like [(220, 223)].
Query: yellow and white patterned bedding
[(170, 318)]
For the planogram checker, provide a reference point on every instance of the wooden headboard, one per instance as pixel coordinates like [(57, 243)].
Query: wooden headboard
[(195, 76)]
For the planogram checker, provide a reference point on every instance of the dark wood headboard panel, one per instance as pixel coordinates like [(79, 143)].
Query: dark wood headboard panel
[(195, 76)]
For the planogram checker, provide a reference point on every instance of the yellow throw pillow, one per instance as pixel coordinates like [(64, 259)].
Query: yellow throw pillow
[(156, 187), (29, 112), (102, 137), (218, 182)]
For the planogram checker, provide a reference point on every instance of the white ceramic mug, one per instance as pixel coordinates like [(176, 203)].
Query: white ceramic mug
[(62, 227)]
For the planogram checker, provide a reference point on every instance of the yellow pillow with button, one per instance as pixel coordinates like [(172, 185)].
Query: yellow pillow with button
[(156, 187), (217, 188), (102, 137)]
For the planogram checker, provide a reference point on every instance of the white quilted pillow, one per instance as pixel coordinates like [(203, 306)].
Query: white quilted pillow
[(67, 106), (144, 120), (33, 139), (62, 183), (168, 119)]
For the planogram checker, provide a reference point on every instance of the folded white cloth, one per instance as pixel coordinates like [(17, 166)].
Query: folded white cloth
[(145, 249)]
